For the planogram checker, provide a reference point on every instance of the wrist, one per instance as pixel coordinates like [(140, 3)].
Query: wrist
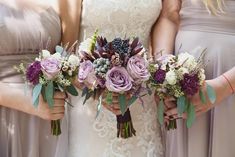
[(221, 87)]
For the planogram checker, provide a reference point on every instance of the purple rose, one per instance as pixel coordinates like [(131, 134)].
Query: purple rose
[(118, 80), (33, 72), (137, 68), (85, 69), (50, 67), (160, 76), (190, 84)]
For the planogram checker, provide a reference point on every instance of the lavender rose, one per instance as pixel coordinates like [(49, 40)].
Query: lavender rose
[(50, 67), (33, 72), (137, 68), (86, 71), (118, 80)]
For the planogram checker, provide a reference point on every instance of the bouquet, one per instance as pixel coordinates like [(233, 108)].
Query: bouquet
[(50, 73), (113, 68), (180, 77)]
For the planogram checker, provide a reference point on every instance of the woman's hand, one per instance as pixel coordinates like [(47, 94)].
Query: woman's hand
[(114, 107), (221, 89), (56, 112)]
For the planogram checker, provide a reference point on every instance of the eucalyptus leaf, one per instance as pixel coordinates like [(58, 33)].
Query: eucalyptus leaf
[(109, 98), (190, 115), (211, 93), (59, 49), (99, 106), (85, 91), (122, 103), (36, 92), (44, 93), (132, 100), (160, 111), (202, 96), (88, 95), (181, 104), (49, 91), (72, 90)]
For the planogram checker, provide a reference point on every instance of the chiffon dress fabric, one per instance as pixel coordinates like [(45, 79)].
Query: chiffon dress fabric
[(22, 31), (212, 134), (98, 137)]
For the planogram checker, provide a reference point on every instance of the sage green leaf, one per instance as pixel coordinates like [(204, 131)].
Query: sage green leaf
[(160, 111), (36, 92), (132, 100), (99, 106), (85, 91), (88, 95), (44, 93), (109, 98), (122, 103), (72, 90), (211, 93), (49, 91), (202, 96), (181, 104), (190, 115), (59, 49)]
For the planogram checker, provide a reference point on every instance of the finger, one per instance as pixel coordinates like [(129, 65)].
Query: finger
[(57, 116), (172, 112), (58, 110), (58, 102), (170, 99), (170, 104), (116, 106), (59, 95)]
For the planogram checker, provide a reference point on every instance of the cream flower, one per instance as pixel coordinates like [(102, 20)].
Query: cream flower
[(171, 77)]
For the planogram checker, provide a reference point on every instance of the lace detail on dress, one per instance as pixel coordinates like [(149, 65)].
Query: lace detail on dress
[(119, 18), (147, 140)]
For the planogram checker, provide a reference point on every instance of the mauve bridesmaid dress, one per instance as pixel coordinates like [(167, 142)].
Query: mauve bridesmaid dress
[(213, 133), (21, 31)]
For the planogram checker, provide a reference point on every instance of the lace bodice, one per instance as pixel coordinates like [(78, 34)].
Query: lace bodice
[(119, 18), (97, 137)]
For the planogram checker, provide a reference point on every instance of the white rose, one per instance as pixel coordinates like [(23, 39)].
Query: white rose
[(182, 71), (45, 54), (85, 45), (57, 56), (73, 60), (187, 60), (171, 77)]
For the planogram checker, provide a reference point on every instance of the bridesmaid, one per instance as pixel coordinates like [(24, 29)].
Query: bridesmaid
[(23, 24), (208, 24)]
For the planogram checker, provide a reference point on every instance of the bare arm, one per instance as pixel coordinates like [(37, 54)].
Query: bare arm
[(165, 29), (16, 99), (70, 13)]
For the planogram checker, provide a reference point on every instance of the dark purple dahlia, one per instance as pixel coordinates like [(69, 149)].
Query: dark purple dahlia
[(160, 75), (33, 72), (190, 84)]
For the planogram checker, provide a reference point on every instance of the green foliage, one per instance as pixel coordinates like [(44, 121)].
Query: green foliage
[(160, 110), (122, 103), (49, 92), (211, 93), (36, 93)]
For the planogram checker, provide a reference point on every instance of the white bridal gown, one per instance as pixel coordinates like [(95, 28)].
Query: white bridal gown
[(97, 138)]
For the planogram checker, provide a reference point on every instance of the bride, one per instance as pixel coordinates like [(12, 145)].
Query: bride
[(121, 18)]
